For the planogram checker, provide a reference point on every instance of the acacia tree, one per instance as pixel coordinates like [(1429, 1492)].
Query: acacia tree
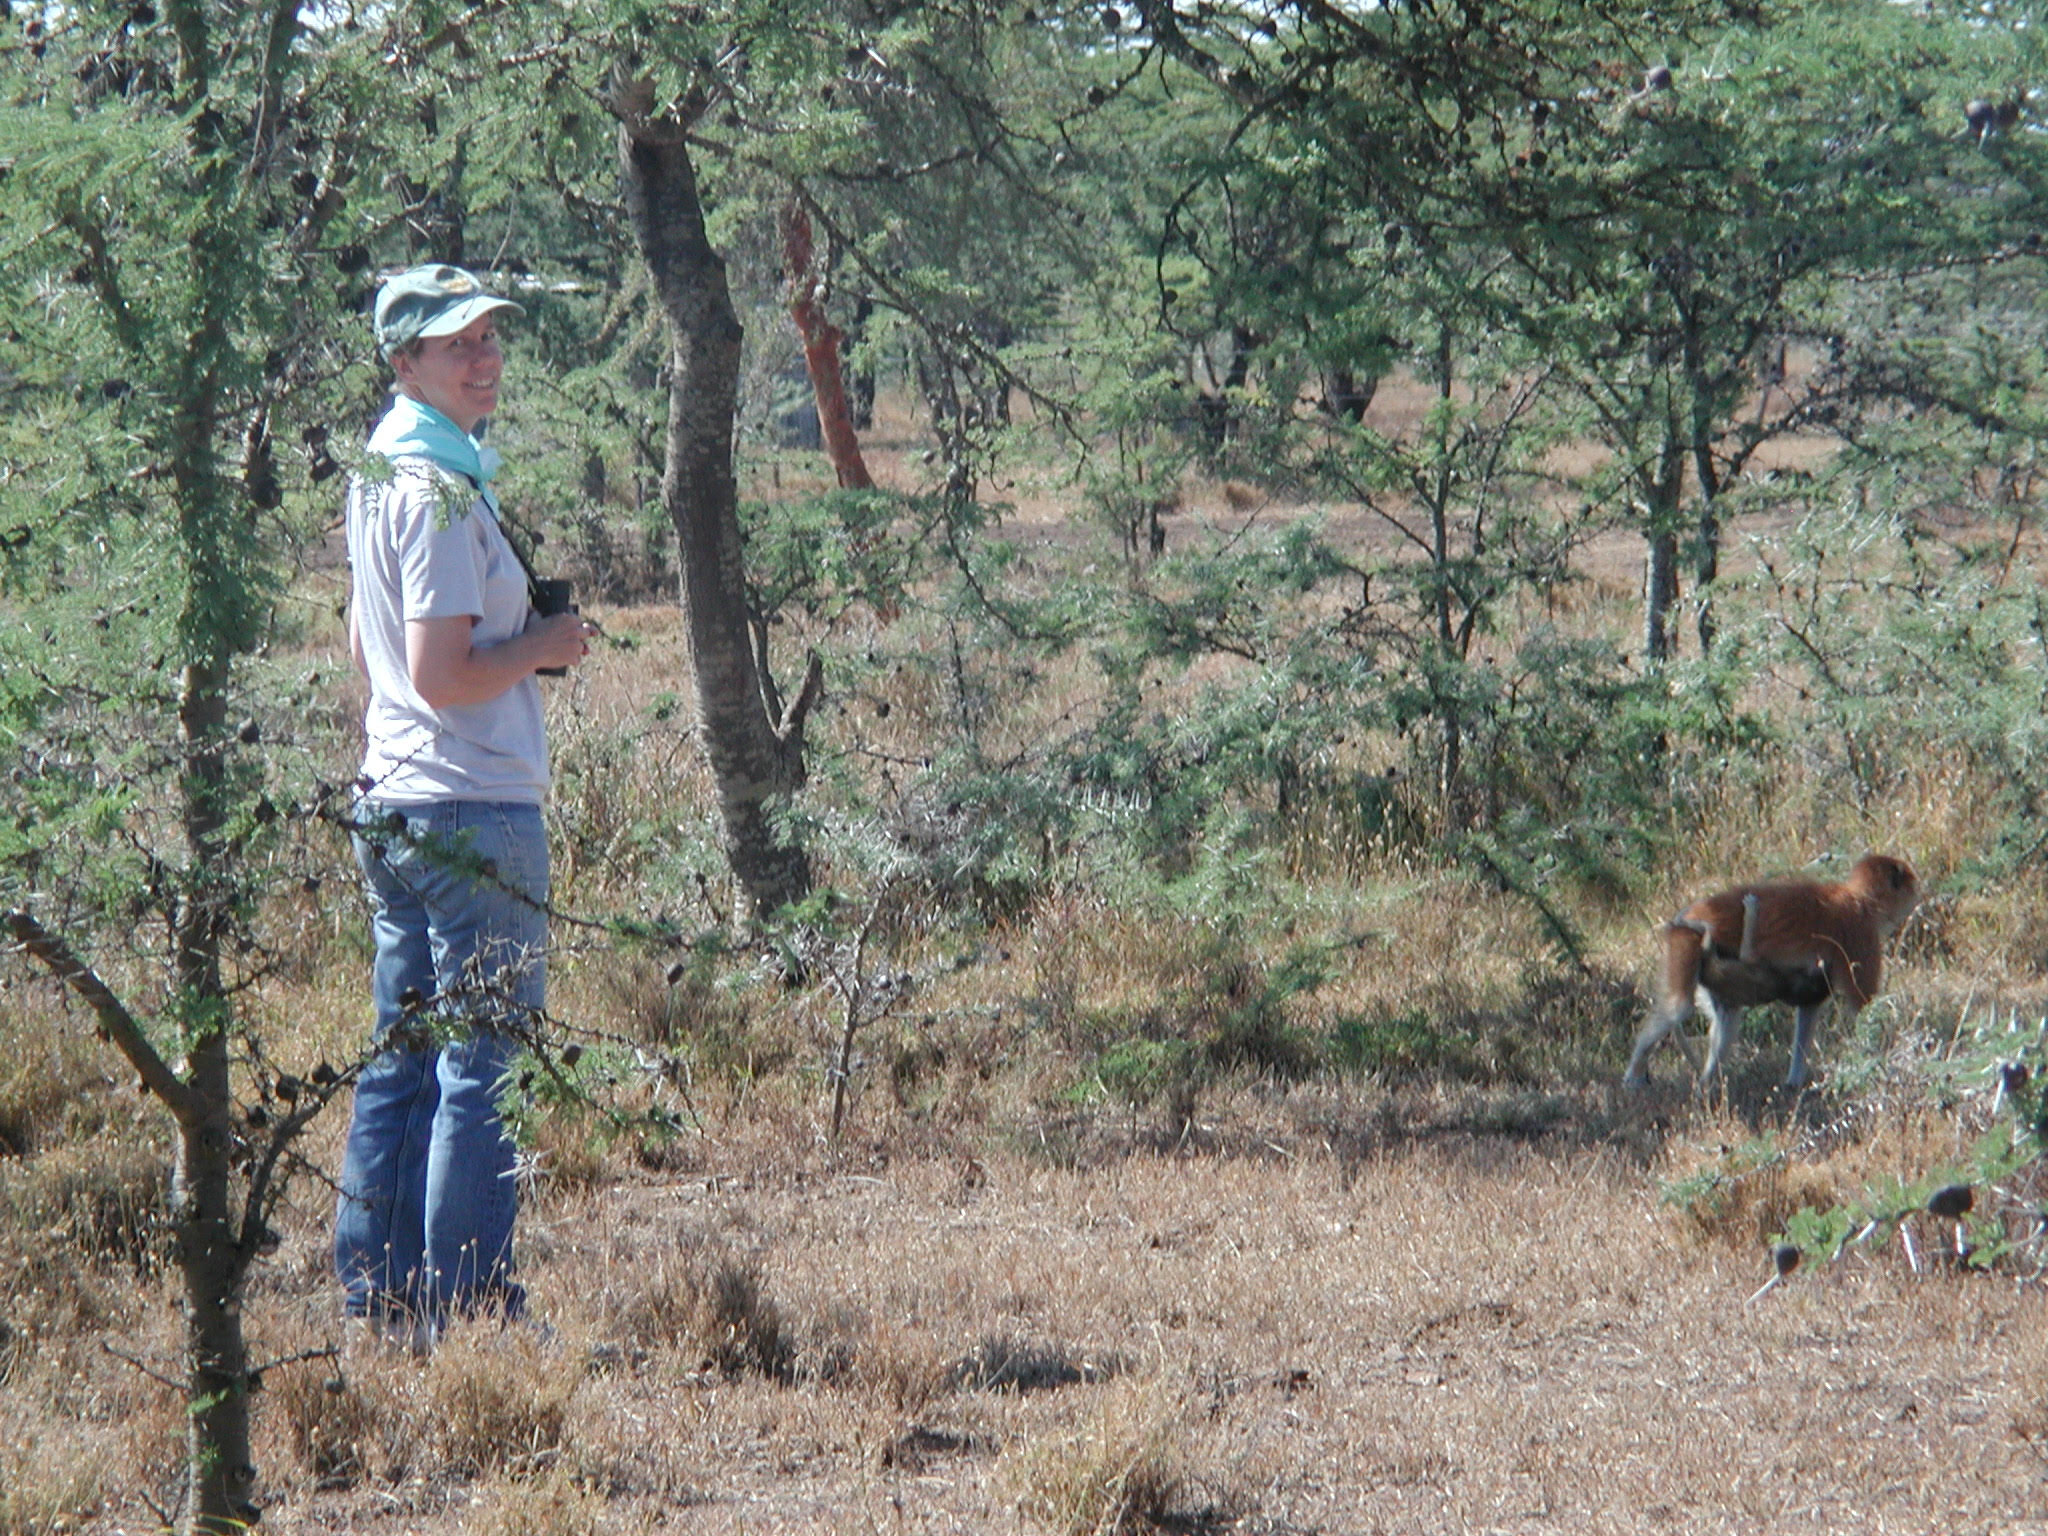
[(180, 244), (809, 272), (755, 756), (742, 111), (1651, 213), (638, 373)]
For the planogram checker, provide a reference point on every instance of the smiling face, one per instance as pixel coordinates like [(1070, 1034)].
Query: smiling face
[(457, 375)]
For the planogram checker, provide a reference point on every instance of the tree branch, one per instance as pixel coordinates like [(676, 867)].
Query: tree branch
[(791, 727), (116, 1022)]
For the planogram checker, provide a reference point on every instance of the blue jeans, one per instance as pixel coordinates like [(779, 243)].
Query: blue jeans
[(458, 894)]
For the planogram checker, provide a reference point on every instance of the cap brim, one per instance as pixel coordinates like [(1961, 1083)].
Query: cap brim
[(459, 317)]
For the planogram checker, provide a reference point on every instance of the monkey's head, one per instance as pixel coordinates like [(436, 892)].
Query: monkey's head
[(1889, 886)]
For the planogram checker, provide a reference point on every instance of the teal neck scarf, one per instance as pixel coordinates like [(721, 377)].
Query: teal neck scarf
[(414, 430)]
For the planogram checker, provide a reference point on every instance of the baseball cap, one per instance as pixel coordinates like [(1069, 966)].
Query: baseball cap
[(431, 301)]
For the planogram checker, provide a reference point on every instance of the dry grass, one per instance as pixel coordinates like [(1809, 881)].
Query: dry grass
[(1122, 1470), (1355, 1310), (1465, 1335)]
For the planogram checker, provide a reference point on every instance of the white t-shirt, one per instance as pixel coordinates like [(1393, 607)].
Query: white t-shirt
[(417, 554)]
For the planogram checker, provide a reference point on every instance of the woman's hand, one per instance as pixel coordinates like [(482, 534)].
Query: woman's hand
[(561, 639)]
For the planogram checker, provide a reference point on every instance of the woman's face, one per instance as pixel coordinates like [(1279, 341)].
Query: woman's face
[(457, 375)]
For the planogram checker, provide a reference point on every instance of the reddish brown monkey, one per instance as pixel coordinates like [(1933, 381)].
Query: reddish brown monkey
[(1794, 941)]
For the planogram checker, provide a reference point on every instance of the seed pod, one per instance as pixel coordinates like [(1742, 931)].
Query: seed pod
[(1951, 1201)]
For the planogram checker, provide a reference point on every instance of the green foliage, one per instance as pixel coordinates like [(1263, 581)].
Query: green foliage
[(1862, 611), (1144, 1072), (1991, 1085), (1705, 1193), (819, 555), (1223, 1011), (1404, 1045)]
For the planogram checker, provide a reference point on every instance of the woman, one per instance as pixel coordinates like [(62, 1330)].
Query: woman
[(448, 828)]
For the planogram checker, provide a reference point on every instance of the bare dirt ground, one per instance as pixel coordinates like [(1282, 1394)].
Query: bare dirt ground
[(1458, 1333)]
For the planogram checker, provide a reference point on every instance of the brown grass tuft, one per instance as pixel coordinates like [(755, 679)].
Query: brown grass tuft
[(53, 1082), (1121, 1471), (495, 1401), (100, 1199), (1003, 1363), (897, 1365), (737, 1322), (332, 1428), (51, 1478), (706, 1302), (553, 1504)]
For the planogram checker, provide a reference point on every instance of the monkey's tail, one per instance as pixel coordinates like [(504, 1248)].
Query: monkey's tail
[(1685, 942)]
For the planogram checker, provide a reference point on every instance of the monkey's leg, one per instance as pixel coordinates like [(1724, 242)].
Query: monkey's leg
[(1727, 1020), (1802, 1037), (1683, 1040), (1747, 951), (1663, 1022)]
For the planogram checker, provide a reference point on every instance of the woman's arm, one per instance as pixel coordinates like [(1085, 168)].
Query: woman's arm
[(447, 670)]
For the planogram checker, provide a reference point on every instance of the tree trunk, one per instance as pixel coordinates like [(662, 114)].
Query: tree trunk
[(220, 1474), (1660, 591), (821, 339), (753, 758), (218, 623), (1707, 565), (1450, 645), (1660, 570), (222, 1477), (1706, 571)]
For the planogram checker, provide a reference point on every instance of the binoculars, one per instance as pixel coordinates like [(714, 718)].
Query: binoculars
[(551, 596)]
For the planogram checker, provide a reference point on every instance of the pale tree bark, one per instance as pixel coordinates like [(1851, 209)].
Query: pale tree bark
[(754, 747), (1660, 569), (1660, 591), (1707, 557), (821, 339)]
